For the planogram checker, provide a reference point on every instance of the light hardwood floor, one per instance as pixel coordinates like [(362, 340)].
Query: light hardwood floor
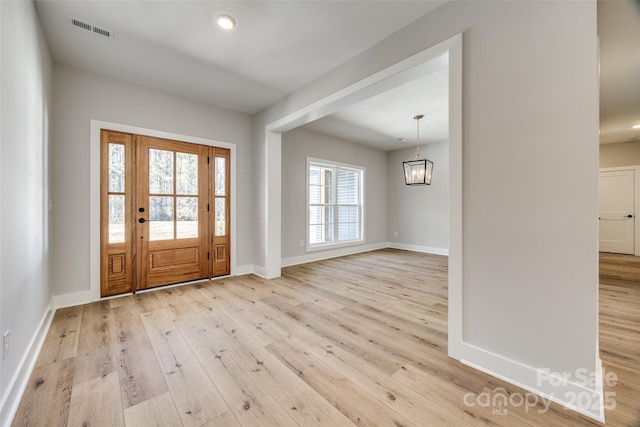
[(359, 340)]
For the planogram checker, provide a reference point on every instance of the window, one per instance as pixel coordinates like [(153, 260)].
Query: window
[(334, 204)]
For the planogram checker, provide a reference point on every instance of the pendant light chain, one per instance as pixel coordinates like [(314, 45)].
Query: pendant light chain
[(417, 118)]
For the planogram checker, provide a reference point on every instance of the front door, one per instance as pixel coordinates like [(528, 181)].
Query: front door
[(165, 212), (172, 211), (617, 211)]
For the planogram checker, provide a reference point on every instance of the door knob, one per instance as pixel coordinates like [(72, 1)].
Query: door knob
[(142, 220), (629, 216), (141, 210)]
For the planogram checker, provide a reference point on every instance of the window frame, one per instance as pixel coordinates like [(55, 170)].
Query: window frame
[(311, 161)]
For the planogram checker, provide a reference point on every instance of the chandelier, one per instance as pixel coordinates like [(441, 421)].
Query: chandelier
[(418, 171)]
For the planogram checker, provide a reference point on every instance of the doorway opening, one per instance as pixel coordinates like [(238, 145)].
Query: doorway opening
[(389, 78), (93, 292), (164, 212)]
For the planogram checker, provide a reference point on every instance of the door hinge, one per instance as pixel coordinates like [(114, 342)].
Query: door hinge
[(208, 159), (208, 255), (207, 207)]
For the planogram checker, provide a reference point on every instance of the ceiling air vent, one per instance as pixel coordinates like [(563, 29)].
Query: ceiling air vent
[(91, 28)]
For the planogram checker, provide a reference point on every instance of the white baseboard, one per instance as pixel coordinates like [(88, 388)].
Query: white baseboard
[(15, 389), (259, 271), (418, 248), (88, 296), (582, 397), (241, 270), (331, 253), (73, 298), (250, 269)]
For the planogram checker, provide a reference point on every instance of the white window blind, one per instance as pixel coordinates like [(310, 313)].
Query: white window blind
[(334, 204)]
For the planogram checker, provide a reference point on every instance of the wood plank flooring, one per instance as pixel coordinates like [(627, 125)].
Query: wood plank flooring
[(353, 341), (618, 269), (620, 333)]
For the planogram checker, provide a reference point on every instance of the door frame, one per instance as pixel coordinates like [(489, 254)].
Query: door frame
[(93, 293), (636, 169)]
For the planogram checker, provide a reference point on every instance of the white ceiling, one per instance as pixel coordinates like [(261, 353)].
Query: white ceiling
[(276, 48), (619, 31), (280, 46), (379, 121)]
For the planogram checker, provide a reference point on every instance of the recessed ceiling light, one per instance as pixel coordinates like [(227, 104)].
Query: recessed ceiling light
[(226, 22), (635, 127)]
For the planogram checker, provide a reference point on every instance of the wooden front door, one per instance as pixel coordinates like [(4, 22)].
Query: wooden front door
[(165, 212)]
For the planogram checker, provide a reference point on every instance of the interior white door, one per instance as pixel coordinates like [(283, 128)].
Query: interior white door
[(617, 213)]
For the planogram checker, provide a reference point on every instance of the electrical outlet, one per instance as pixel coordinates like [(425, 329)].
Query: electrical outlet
[(395, 234), (5, 344), (302, 243)]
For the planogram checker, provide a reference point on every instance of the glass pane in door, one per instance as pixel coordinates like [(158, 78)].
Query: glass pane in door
[(221, 218), (221, 176), (116, 168), (161, 218), (160, 171), (116, 218), (116, 171), (186, 174), (186, 217)]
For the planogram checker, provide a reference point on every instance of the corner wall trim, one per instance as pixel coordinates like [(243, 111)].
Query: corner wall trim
[(259, 271), (18, 384), (241, 270)]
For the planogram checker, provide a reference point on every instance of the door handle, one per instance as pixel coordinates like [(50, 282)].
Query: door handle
[(142, 220), (629, 216)]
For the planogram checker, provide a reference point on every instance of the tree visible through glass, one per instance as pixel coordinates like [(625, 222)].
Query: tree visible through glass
[(220, 192), (167, 205), (116, 185)]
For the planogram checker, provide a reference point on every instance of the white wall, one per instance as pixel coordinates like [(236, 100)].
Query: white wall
[(299, 144), (420, 214), (529, 290), (24, 244), (80, 96)]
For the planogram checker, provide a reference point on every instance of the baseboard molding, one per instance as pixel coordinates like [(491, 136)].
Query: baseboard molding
[(418, 248), (571, 394), (259, 271), (74, 298), (241, 270), (18, 384), (331, 253), (88, 296)]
